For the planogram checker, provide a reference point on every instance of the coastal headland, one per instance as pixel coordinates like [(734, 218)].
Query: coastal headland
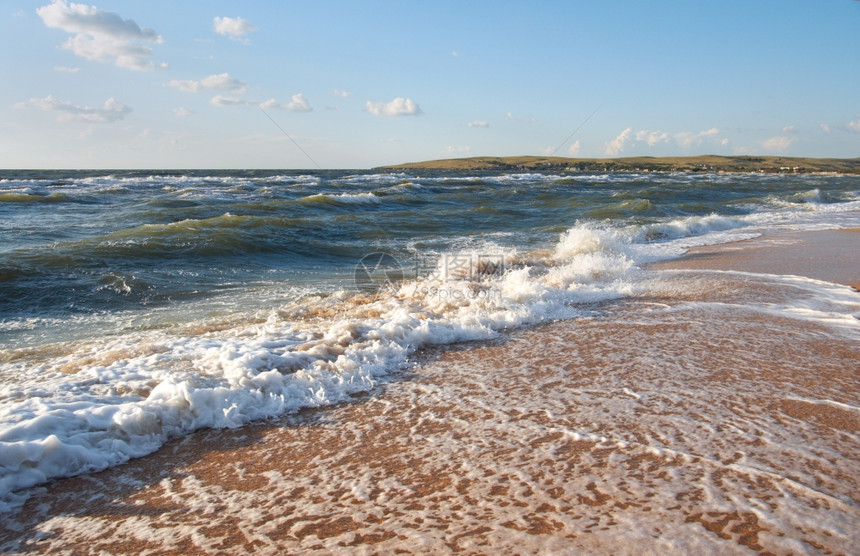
[(704, 163)]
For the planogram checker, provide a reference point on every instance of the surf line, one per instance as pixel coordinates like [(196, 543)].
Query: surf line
[(585, 121), (290, 138)]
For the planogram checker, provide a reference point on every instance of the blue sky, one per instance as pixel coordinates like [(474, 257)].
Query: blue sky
[(166, 84)]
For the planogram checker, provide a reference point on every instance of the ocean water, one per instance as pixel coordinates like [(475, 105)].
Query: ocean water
[(136, 307)]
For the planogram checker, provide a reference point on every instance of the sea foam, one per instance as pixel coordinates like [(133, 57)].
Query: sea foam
[(103, 402)]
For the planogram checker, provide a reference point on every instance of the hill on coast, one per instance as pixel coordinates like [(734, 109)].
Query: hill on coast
[(705, 163)]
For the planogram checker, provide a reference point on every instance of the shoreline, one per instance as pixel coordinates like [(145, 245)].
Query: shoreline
[(639, 430), (828, 255)]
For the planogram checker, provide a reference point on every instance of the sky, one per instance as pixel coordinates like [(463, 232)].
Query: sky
[(358, 84)]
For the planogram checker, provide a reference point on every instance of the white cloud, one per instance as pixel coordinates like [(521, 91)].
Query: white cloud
[(341, 94), (825, 128), (652, 137), (478, 123), (101, 35), (686, 139), (455, 54), (458, 149), (789, 130), (574, 149), (223, 100), (112, 110), (233, 27), (683, 139), (217, 82), (616, 146), (299, 103), (854, 126), (64, 69), (397, 107), (778, 143), (270, 104), (528, 119), (182, 112)]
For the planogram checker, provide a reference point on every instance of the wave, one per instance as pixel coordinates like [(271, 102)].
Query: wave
[(623, 209), (375, 179), (686, 227), (224, 235), (33, 198), (341, 199), (116, 395), (130, 395)]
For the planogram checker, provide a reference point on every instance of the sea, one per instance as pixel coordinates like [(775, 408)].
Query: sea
[(137, 307)]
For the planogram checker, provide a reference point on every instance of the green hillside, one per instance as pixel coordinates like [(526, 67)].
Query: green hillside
[(706, 163)]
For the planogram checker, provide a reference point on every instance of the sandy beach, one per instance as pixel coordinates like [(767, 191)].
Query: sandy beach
[(829, 255), (691, 418)]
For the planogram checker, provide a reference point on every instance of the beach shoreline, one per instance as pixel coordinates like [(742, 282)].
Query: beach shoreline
[(672, 429), (829, 255)]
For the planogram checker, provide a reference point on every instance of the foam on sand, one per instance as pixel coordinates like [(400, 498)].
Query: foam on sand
[(97, 403), (704, 413)]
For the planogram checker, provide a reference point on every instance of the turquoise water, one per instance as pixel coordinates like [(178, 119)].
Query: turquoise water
[(139, 305)]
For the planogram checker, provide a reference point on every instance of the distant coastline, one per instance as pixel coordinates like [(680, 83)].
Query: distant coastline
[(705, 163)]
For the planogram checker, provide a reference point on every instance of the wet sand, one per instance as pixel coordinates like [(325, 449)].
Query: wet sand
[(690, 418), (831, 255)]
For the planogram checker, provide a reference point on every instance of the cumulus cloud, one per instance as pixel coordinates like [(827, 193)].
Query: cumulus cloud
[(686, 139), (223, 100), (777, 144), (298, 103), (217, 82), (341, 94), (397, 107), (112, 110), (854, 126), (458, 149), (825, 128), (182, 112), (574, 149), (478, 123), (683, 139), (233, 27), (616, 146), (652, 137), (528, 119), (101, 35), (271, 104), (64, 69)]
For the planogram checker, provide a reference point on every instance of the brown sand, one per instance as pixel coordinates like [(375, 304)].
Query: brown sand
[(652, 428), (831, 255)]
